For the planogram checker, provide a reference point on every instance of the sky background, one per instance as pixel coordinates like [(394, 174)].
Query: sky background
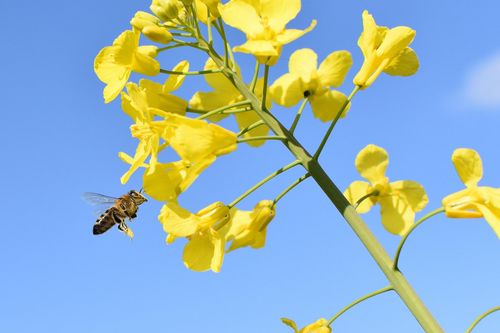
[(59, 140)]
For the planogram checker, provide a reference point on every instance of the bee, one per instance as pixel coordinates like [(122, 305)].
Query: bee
[(123, 208)]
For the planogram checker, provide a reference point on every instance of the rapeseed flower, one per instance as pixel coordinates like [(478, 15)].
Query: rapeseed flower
[(114, 64), (474, 201), (398, 200), (248, 228), (385, 50), (305, 80), (264, 23), (205, 247), (319, 326)]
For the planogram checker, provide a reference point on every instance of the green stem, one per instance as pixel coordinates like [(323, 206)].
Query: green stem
[(195, 19), (206, 71), (251, 127), (209, 27), (264, 87), (413, 227), (222, 109), (376, 250), (298, 115), (359, 300), (334, 122), (481, 317), (222, 33), (257, 138), (363, 198), (262, 182), (181, 34), (255, 76), (289, 188)]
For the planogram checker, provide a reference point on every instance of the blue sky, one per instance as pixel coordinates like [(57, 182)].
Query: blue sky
[(60, 139)]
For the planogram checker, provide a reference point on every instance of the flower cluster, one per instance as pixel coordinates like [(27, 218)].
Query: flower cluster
[(162, 120)]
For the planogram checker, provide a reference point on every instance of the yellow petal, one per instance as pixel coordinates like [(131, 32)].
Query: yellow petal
[(303, 63), (203, 252), (279, 12), (177, 221), (175, 81), (258, 48), (319, 326), (327, 106), (241, 15), (289, 35), (372, 162), (370, 38), (145, 64), (405, 64), (245, 119), (334, 68), (164, 183), (219, 81), (141, 154), (491, 211), (412, 192), (195, 140), (469, 166), (397, 215), (287, 90), (356, 191), (395, 41)]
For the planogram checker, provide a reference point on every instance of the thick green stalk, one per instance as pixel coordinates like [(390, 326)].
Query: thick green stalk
[(395, 277)]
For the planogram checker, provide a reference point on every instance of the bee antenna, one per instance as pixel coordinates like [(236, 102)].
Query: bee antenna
[(141, 190)]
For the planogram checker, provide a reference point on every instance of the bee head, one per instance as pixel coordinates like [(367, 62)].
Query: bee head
[(137, 197)]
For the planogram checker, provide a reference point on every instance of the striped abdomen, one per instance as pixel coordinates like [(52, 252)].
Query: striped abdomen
[(107, 220)]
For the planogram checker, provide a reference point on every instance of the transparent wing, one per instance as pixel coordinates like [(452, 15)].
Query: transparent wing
[(98, 199)]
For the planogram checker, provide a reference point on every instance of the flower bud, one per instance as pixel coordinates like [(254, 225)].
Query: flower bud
[(142, 19), (157, 34), (166, 10), (149, 50)]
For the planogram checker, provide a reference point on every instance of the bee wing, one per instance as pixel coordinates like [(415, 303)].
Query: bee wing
[(98, 199)]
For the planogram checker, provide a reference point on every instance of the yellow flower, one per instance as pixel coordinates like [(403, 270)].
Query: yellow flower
[(385, 50), (135, 105), (248, 228), (474, 201), (263, 22), (205, 247), (304, 80), (195, 140), (149, 26), (225, 93), (159, 96), (114, 64), (168, 180), (203, 7), (398, 200), (319, 326)]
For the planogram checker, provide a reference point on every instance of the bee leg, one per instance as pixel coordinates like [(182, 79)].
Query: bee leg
[(122, 227)]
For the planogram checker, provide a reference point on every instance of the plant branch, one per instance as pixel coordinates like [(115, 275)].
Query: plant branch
[(413, 227), (359, 300)]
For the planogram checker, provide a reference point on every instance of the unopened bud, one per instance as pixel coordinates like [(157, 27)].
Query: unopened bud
[(157, 34), (143, 19), (166, 10)]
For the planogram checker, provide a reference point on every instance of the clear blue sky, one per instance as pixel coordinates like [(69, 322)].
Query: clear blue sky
[(59, 139)]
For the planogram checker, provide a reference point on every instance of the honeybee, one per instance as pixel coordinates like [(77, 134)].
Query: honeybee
[(123, 208)]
